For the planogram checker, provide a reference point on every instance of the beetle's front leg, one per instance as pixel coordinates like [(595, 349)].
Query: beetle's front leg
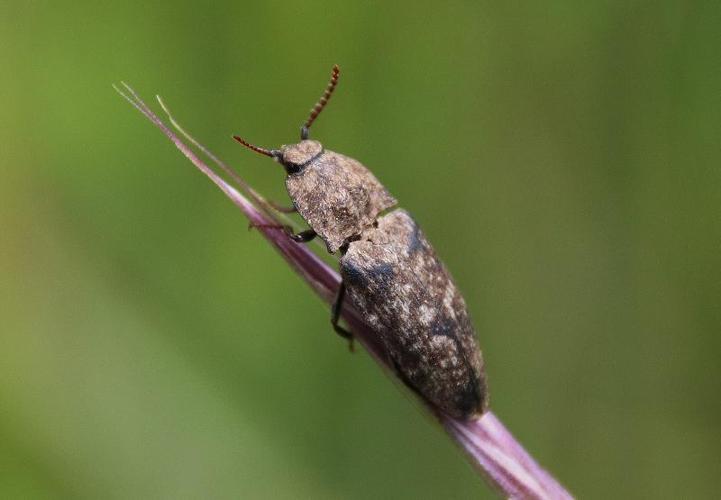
[(302, 237), (335, 317)]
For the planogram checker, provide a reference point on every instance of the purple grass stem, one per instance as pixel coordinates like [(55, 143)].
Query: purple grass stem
[(488, 445)]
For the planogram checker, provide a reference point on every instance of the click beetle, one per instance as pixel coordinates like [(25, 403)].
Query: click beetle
[(391, 274)]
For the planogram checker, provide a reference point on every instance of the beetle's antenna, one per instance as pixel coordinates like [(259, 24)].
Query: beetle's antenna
[(304, 130), (267, 152)]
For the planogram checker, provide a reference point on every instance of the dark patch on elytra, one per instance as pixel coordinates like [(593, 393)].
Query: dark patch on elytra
[(352, 273), (444, 326), (416, 241), (410, 358), (381, 274), (401, 375), (469, 398)]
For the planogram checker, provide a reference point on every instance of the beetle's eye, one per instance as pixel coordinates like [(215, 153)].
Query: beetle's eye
[(290, 167)]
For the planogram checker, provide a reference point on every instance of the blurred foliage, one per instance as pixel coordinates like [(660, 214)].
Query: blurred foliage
[(563, 158)]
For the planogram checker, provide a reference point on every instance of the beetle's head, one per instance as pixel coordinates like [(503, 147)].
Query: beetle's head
[(295, 157)]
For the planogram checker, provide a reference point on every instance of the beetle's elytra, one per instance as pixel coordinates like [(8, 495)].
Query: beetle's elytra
[(390, 272)]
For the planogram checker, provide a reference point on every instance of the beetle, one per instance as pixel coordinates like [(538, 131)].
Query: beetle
[(390, 273)]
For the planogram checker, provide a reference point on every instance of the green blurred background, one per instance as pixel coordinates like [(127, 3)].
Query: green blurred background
[(563, 158)]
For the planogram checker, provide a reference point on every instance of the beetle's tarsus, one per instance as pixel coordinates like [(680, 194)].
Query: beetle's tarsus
[(346, 335), (335, 317)]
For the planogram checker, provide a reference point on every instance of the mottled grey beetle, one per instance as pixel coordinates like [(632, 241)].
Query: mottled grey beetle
[(390, 272)]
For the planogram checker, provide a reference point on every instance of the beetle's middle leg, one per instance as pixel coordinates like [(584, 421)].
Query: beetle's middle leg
[(335, 316), (280, 208)]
